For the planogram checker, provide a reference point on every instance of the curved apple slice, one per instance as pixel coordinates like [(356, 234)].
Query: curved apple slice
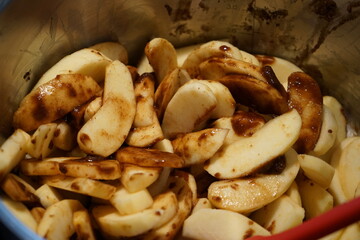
[(197, 147), (208, 50), (99, 137), (249, 194), (112, 50), (191, 105), (327, 135), (281, 67), (89, 62), (161, 55), (247, 155), (53, 100), (114, 224), (136, 178), (305, 96), (167, 88), (215, 68), (225, 106), (219, 224), (255, 93)]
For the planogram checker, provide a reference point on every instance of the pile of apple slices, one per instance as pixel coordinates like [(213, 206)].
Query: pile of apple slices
[(204, 142)]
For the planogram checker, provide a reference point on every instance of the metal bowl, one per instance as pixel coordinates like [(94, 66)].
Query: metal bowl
[(321, 36)]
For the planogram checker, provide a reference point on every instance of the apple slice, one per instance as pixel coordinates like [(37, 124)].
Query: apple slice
[(245, 195), (149, 157), (208, 50), (305, 96), (219, 224), (135, 178), (275, 216), (89, 62), (128, 203), (197, 147), (37, 213), (112, 50), (337, 110), (40, 144), (83, 225), (162, 57), (201, 204), (92, 108), (242, 124), (167, 88), (114, 224), (247, 155), (191, 105), (64, 137), (84, 186), (53, 100), (19, 190), (12, 151), (315, 199), (99, 137), (48, 195), (225, 106), (316, 169), (255, 93), (281, 67), (293, 193), (348, 168), (57, 222), (327, 135)]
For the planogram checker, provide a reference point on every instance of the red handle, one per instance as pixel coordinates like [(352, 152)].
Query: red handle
[(315, 228)]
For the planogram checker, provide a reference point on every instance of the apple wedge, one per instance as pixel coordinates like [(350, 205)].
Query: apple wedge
[(348, 168), (83, 225), (337, 110), (167, 88), (53, 100), (57, 222), (84, 186), (225, 106), (208, 50), (316, 169), (219, 224), (149, 157), (20, 211), (112, 50), (281, 67), (128, 203), (327, 135), (305, 96), (242, 124), (48, 195), (88, 167), (190, 107), (293, 193), (315, 199), (99, 137), (12, 151), (183, 193), (41, 144), (245, 156), (255, 93), (161, 55), (92, 108), (135, 178), (89, 62), (19, 190), (114, 224), (145, 136), (64, 137), (201, 204), (197, 147), (275, 216), (245, 195)]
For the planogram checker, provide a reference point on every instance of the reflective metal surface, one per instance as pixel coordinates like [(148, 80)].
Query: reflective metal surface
[(319, 35)]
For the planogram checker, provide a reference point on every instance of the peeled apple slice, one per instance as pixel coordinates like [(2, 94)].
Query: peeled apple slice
[(208, 50), (191, 105), (218, 224), (99, 137), (12, 151), (86, 61), (246, 155), (117, 225), (245, 195), (112, 50)]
